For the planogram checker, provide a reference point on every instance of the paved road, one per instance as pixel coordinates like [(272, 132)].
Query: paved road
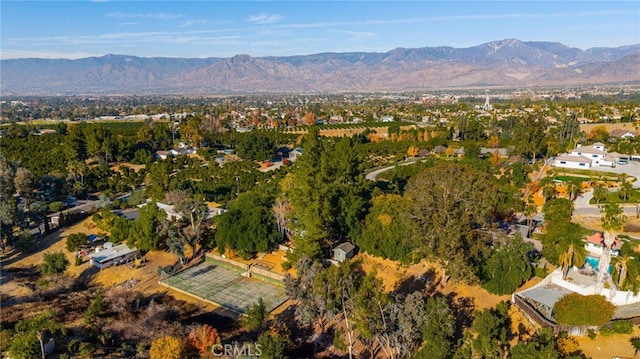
[(371, 176), (82, 206)]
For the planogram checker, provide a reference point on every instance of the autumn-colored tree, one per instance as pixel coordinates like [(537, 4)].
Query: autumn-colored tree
[(309, 119), (495, 159), (494, 141), (449, 152), (167, 348), (598, 133), (203, 337), (413, 151)]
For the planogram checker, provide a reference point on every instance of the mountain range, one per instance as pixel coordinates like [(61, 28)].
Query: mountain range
[(504, 63)]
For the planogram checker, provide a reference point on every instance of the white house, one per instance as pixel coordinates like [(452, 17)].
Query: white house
[(622, 133), (110, 256), (570, 161), (584, 157)]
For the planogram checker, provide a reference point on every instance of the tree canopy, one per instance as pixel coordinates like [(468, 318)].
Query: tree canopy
[(576, 309), (249, 227)]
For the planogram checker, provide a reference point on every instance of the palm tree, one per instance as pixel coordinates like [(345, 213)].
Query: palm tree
[(635, 341), (621, 268), (530, 211), (625, 189), (548, 188), (599, 193), (613, 220), (574, 188), (573, 254)]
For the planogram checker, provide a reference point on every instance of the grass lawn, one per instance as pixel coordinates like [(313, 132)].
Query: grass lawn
[(615, 198), (572, 178)]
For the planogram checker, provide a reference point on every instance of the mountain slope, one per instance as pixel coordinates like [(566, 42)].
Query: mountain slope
[(507, 62)]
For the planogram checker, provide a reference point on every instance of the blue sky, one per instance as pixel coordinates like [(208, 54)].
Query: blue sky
[(73, 29)]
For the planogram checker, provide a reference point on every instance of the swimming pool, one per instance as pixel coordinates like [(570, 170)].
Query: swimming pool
[(593, 262)]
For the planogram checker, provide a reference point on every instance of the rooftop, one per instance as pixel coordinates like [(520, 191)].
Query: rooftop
[(111, 253)]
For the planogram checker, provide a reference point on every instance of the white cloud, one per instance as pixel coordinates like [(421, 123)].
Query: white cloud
[(157, 16), (265, 18), (190, 23), (355, 35)]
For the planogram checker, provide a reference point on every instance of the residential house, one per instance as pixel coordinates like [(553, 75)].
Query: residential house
[(439, 150), (112, 255), (570, 161), (344, 251), (486, 151), (585, 157), (622, 133), (595, 244)]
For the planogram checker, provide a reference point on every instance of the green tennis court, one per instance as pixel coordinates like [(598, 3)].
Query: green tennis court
[(226, 287)]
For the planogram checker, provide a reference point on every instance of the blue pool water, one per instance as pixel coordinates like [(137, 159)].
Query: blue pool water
[(593, 262)]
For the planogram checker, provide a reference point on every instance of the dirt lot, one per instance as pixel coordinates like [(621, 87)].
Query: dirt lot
[(615, 346)]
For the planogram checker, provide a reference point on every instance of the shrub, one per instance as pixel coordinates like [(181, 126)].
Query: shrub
[(540, 272), (576, 309), (27, 243), (622, 327), (338, 340), (166, 348), (79, 261), (591, 334), (75, 240), (54, 263), (606, 331), (5, 339)]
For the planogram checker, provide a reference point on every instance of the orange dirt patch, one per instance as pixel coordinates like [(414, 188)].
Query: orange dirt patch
[(276, 258), (615, 346), (136, 168), (391, 272)]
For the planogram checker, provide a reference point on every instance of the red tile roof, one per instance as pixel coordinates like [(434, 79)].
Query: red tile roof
[(598, 238)]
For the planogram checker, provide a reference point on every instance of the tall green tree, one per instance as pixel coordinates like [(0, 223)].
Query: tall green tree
[(530, 137), (328, 194), (438, 330), (386, 231), (194, 214), (256, 146), (508, 267), (249, 227), (492, 328), (143, 236), (452, 205), (30, 335)]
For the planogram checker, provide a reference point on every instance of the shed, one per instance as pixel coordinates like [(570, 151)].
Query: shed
[(343, 251)]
